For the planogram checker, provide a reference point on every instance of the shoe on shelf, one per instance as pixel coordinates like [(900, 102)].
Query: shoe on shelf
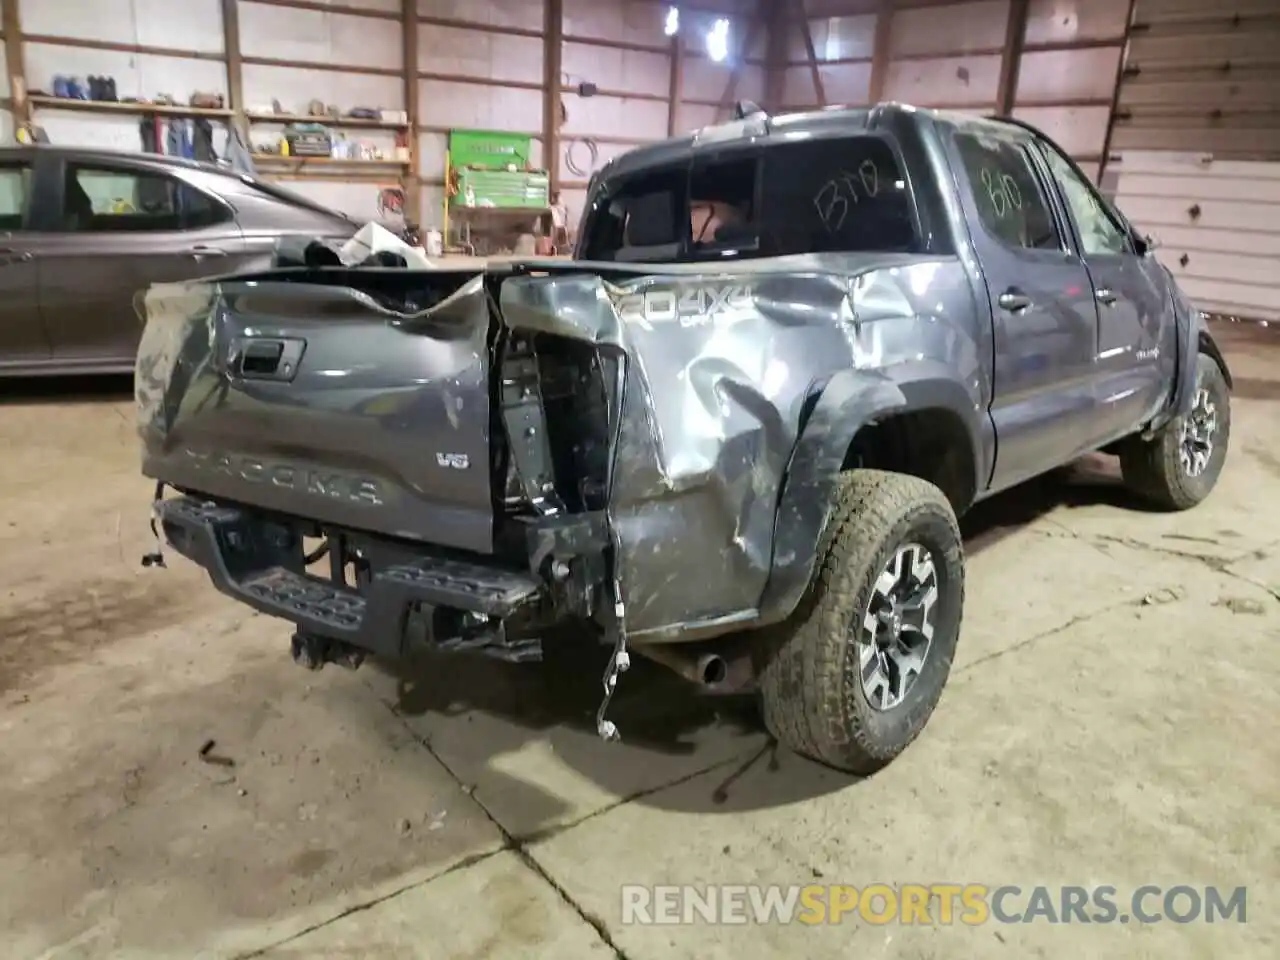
[(61, 86), (109, 91), (77, 89)]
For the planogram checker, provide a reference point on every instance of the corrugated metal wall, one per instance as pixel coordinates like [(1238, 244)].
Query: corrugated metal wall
[(1053, 63), (1202, 76), (482, 64), (1195, 149)]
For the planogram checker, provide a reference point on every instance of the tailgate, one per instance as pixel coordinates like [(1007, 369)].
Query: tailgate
[(293, 392)]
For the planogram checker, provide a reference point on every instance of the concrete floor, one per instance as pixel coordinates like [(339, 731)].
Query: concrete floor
[(1114, 717)]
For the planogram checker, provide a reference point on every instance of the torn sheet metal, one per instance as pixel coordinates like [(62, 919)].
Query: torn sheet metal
[(723, 370)]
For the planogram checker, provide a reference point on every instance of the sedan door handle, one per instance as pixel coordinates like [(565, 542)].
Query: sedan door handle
[(1013, 301), (1105, 296), (23, 256), (200, 252)]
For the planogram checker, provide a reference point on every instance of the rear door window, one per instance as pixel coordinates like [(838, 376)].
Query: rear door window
[(1011, 203), (107, 199)]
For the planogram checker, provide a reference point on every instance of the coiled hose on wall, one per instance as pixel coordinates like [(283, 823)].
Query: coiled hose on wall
[(571, 161), (593, 154)]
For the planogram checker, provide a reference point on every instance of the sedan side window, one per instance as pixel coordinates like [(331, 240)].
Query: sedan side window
[(114, 200), (1011, 203), (1099, 232), (15, 187)]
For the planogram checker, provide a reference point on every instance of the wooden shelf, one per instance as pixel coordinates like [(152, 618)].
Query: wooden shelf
[(353, 122), (125, 109), (327, 176), (327, 161)]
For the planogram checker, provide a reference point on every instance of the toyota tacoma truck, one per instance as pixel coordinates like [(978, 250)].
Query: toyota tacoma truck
[(732, 435)]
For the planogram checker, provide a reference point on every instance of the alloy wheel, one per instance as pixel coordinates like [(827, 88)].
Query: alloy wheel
[(1199, 428), (897, 626)]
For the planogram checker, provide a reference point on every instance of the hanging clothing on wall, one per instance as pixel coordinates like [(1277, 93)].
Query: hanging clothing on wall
[(202, 141), (150, 134), (238, 153), (179, 142)]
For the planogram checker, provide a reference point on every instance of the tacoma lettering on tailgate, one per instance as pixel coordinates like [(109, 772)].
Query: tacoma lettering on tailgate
[(330, 484)]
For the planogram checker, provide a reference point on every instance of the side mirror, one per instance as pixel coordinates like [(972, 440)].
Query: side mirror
[(1150, 243)]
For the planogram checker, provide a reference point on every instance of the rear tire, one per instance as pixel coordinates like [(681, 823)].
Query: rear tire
[(1180, 466), (828, 693)]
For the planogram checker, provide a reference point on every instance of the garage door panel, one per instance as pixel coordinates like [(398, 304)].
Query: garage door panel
[(1214, 214), (1184, 164), (1247, 300), (1176, 240), (1170, 135), (1192, 188), (1197, 131), (1181, 92), (1251, 270), (1229, 309), (1194, 11), (1196, 47)]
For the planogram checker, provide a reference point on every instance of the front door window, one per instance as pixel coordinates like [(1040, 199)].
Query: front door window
[(1099, 232)]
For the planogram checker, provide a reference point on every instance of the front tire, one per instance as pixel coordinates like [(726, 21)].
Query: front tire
[(1180, 466), (862, 663)]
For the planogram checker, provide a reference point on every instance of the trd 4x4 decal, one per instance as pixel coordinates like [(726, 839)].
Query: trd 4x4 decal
[(702, 305)]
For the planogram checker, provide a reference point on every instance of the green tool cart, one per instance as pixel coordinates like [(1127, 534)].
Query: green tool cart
[(488, 176)]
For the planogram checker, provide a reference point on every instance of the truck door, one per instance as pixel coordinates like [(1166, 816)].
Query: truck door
[(1137, 349), (1043, 311)]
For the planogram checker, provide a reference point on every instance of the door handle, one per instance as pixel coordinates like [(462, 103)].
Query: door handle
[(1106, 296), (201, 251), (255, 358), (11, 254), (260, 359), (1013, 301)]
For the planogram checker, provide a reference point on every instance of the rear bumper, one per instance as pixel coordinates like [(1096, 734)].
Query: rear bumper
[(258, 559)]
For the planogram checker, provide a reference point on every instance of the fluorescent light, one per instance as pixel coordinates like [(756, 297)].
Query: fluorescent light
[(718, 40), (673, 22)]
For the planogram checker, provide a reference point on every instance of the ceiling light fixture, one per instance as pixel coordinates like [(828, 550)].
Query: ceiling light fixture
[(718, 40)]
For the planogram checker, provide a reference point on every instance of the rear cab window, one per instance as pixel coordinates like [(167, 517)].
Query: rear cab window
[(825, 195)]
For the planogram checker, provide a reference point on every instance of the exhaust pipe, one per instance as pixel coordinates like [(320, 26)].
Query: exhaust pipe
[(712, 672)]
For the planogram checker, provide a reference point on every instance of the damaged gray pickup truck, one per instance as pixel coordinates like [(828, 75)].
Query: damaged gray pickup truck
[(733, 435)]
